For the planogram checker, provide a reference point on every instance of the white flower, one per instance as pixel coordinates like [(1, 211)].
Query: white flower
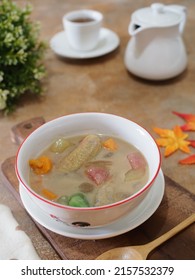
[(9, 38), (3, 98), (1, 76), (38, 74)]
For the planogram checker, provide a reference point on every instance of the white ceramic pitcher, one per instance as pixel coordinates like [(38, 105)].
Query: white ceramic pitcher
[(156, 49)]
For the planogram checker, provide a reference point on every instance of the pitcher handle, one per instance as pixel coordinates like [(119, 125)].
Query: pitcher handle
[(182, 10)]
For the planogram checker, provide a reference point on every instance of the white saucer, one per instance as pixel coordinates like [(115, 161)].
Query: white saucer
[(126, 223), (108, 42)]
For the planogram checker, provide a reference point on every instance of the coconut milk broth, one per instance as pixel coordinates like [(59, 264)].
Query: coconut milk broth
[(113, 190)]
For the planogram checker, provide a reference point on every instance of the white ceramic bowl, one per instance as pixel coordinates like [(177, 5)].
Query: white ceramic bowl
[(85, 123)]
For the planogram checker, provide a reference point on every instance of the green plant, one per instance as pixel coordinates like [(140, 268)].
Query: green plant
[(21, 54)]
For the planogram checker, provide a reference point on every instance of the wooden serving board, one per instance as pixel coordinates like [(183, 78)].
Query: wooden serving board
[(177, 205)]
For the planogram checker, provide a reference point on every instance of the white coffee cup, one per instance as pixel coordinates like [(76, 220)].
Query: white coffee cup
[(82, 29)]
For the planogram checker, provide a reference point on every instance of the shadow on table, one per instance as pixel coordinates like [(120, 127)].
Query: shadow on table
[(160, 82), (89, 61)]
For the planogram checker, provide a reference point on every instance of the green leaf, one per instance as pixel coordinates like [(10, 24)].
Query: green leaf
[(21, 54)]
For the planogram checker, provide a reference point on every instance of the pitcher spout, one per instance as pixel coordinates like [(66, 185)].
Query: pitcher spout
[(134, 28)]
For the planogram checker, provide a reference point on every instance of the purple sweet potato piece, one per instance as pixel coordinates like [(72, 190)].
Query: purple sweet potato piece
[(136, 160), (97, 174)]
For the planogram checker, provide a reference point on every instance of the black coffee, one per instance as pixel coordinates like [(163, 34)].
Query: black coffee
[(83, 19)]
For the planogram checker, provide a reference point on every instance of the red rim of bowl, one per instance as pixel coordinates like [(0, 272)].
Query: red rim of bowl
[(143, 189)]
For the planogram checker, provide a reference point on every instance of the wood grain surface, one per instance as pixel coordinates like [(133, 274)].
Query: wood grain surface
[(20, 131), (177, 204)]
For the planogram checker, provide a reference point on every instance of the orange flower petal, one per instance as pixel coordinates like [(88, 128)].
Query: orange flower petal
[(188, 160), (179, 133), (184, 148), (172, 140), (192, 143), (190, 126), (190, 121), (163, 132), (162, 142), (170, 150), (187, 117)]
